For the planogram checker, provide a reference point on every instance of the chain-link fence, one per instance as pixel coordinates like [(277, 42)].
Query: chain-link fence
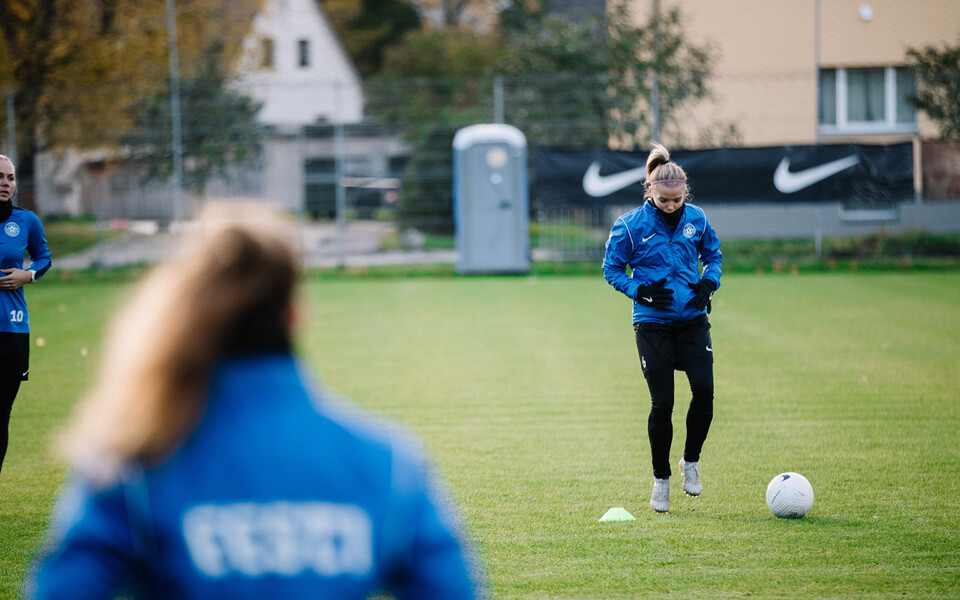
[(395, 166)]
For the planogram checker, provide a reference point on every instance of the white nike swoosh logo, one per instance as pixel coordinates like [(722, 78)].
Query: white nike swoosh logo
[(597, 185), (788, 183), (647, 299), (709, 349), (648, 238)]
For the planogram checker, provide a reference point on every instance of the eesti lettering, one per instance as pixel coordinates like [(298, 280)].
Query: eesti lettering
[(279, 538)]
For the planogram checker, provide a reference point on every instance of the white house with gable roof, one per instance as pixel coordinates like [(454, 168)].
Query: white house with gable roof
[(292, 61)]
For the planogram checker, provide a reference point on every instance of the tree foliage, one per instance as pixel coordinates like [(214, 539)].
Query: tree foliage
[(938, 85), (433, 83), (76, 66), (596, 73), (219, 128), (573, 84), (459, 14), (39, 39), (557, 72), (552, 45), (682, 68), (442, 53), (367, 28)]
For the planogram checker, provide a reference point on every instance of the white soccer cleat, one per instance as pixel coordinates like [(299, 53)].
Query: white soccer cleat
[(691, 478), (660, 500)]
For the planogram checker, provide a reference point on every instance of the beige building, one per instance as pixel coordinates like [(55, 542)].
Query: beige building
[(769, 53)]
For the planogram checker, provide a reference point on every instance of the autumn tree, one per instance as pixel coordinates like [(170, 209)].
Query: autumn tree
[(39, 39), (75, 66), (556, 73), (658, 45), (434, 82), (938, 85), (566, 82), (462, 14), (598, 73), (368, 27), (219, 127)]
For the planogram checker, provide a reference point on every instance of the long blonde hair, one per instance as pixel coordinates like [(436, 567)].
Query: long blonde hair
[(229, 291)]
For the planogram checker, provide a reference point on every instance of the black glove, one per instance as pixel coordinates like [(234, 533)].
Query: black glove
[(655, 295), (703, 294)]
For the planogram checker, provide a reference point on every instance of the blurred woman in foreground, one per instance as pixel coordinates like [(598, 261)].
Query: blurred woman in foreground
[(208, 464)]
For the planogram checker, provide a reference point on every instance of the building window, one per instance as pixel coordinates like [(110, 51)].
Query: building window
[(266, 53), (906, 85), (303, 53), (874, 100), (865, 96)]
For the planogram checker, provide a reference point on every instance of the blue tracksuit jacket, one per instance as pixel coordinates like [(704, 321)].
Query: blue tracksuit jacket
[(641, 240), (21, 232), (281, 492)]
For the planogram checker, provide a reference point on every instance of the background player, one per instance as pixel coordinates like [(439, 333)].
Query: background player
[(20, 233), (664, 242)]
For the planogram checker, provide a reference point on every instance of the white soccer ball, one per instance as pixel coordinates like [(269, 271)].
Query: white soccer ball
[(790, 496)]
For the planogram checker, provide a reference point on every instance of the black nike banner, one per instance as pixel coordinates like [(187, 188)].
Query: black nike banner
[(858, 175)]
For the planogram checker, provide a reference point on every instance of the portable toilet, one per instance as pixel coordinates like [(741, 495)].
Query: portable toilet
[(491, 199)]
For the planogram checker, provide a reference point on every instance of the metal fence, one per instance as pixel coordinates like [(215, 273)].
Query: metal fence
[(394, 167)]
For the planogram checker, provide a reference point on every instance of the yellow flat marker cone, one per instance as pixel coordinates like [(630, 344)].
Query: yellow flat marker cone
[(617, 514)]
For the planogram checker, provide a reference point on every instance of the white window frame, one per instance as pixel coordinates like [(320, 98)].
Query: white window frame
[(845, 126)]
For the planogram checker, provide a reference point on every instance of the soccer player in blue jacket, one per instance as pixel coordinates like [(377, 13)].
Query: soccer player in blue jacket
[(21, 233), (664, 243), (208, 464)]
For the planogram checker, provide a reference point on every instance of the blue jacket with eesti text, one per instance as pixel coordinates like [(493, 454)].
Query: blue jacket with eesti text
[(281, 492), (641, 240)]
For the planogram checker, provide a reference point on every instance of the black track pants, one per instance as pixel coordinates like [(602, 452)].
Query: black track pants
[(664, 349), (9, 386), (14, 366)]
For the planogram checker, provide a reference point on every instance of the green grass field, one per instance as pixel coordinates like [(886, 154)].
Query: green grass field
[(529, 394)]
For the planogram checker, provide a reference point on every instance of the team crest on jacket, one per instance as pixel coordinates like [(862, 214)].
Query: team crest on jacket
[(11, 229), (689, 230)]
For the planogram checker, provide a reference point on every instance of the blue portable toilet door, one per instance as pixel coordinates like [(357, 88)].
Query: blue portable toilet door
[(492, 242), (492, 200)]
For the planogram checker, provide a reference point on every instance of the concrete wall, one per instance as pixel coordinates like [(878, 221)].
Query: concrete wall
[(801, 221)]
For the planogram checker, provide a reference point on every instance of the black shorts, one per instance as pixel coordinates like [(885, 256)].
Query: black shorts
[(670, 345), (14, 355)]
